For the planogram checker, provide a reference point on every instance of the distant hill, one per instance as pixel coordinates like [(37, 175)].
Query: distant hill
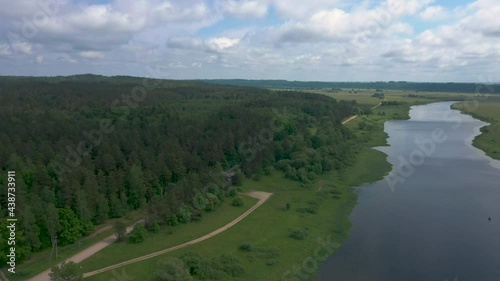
[(471, 88)]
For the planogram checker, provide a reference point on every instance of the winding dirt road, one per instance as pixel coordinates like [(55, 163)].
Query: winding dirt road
[(349, 119), (262, 196), (356, 116), (44, 276)]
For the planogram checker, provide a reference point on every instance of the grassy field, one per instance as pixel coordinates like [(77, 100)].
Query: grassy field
[(268, 229), (168, 237), (488, 110), (365, 97), (41, 261)]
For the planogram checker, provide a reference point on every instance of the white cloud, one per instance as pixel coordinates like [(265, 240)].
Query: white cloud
[(244, 9), (298, 9), (219, 44), (168, 12), (39, 59), (100, 18), (91, 55), (22, 47), (314, 39), (434, 13), (5, 50), (406, 7), (184, 42)]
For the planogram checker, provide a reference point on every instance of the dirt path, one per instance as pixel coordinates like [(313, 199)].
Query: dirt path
[(44, 276), (262, 196), (349, 119), (3, 277), (356, 116)]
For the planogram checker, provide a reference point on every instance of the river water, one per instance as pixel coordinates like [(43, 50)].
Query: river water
[(428, 220)]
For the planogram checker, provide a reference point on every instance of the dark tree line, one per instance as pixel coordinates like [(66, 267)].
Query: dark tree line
[(166, 155), (472, 88)]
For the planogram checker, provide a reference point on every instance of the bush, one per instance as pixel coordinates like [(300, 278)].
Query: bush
[(184, 214), (246, 247), (230, 265), (237, 202), (298, 234), (219, 268), (172, 269), (138, 234), (66, 271), (153, 227), (120, 230), (193, 260)]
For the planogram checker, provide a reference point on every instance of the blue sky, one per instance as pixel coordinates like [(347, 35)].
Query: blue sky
[(327, 40)]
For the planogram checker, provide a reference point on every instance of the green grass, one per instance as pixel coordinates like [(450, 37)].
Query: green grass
[(168, 237), (364, 97), (487, 109), (269, 227), (41, 261)]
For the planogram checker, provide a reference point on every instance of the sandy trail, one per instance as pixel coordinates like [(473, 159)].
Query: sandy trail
[(44, 276), (349, 119), (356, 116), (262, 196)]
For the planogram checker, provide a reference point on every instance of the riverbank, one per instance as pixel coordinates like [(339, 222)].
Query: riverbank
[(487, 110), (320, 213)]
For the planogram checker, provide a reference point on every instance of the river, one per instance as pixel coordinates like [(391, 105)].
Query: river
[(428, 220)]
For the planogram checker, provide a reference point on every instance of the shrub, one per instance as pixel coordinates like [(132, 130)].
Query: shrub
[(193, 260), (138, 234), (237, 202), (153, 227), (171, 269), (230, 265), (246, 247), (298, 234)]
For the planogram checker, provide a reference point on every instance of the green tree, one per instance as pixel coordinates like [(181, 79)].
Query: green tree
[(66, 271), (71, 228), (184, 214), (138, 234), (102, 209), (200, 201), (193, 261), (212, 202), (120, 230), (21, 245), (52, 221)]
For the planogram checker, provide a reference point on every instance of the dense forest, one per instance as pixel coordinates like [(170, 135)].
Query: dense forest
[(471, 88), (89, 148)]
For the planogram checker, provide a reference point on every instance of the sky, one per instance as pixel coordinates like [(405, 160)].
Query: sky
[(313, 40)]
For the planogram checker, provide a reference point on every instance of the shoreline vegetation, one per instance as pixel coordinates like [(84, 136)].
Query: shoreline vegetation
[(278, 241), (487, 109)]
